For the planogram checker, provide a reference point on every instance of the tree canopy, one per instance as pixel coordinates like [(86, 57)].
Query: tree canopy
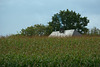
[(36, 30), (69, 20), (64, 20)]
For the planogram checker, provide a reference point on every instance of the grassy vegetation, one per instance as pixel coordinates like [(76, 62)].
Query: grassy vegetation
[(21, 51)]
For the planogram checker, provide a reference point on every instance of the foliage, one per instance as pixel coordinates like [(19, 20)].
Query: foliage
[(29, 31), (36, 30), (94, 31), (70, 20), (63, 20), (22, 51)]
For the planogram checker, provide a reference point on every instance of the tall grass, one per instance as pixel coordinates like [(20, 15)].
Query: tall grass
[(21, 51)]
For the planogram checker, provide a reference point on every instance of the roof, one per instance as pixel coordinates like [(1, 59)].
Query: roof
[(66, 33)]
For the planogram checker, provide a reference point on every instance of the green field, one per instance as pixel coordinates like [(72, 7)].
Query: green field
[(21, 51)]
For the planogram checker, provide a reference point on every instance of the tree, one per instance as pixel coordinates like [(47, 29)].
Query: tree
[(69, 20), (39, 29), (29, 31), (95, 31), (36, 30), (48, 30)]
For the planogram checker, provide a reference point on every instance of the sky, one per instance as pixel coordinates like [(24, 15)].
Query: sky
[(18, 14)]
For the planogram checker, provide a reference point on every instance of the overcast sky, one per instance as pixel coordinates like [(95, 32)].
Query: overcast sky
[(18, 14)]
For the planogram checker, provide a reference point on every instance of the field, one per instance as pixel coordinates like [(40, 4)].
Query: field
[(21, 51)]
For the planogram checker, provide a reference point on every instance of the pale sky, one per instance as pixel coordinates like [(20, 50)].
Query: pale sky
[(18, 14)]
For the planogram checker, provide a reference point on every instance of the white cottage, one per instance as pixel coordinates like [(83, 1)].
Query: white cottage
[(66, 33)]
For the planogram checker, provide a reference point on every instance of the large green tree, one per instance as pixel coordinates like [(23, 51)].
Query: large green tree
[(69, 20)]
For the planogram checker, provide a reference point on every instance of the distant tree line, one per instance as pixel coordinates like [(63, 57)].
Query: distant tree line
[(93, 31), (65, 20), (42, 30)]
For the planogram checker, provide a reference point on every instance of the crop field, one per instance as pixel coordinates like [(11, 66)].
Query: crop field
[(22, 51)]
